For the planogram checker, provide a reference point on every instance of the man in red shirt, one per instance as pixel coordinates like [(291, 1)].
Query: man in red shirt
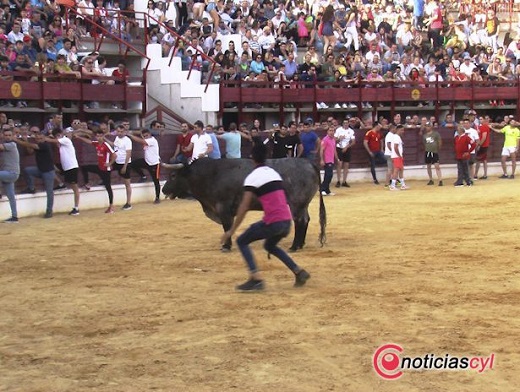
[(484, 133), (106, 158), (373, 143), (464, 144), (182, 152)]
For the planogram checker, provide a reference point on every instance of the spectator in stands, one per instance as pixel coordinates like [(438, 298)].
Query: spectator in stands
[(62, 68), (67, 51), (16, 33), (257, 66), (492, 29), (182, 11)]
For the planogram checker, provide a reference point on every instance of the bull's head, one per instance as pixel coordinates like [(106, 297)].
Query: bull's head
[(177, 185)]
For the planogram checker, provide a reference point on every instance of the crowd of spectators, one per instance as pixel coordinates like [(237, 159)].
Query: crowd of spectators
[(350, 40), (40, 38)]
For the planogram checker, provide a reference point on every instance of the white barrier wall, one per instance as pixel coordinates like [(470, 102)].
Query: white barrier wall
[(96, 198)]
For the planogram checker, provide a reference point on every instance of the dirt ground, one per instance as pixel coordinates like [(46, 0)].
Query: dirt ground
[(144, 300)]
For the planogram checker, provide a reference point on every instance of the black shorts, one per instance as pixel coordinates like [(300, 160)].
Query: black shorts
[(71, 176), (119, 166), (472, 159), (431, 157), (343, 156), (482, 154)]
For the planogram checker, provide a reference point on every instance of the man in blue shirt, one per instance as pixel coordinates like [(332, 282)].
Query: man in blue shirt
[(291, 66), (310, 141)]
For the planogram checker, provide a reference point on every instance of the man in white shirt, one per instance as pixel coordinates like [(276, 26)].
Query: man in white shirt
[(15, 34), (123, 149), (151, 159), (278, 18), (345, 139), (397, 159), (69, 164), (467, 66), (389, 145), (201, 143)]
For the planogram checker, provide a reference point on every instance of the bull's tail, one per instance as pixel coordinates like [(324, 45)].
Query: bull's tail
[(323, 222), (323, 214)]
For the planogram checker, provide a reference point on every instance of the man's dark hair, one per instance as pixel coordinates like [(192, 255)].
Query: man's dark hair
[(199, 123), (259, 153), (56, 131), (98, 131)]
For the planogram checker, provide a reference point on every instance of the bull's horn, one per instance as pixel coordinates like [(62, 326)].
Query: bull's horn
[(172, 166)]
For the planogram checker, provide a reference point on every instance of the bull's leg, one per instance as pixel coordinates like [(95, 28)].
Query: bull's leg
[(226, 224), (300, 231)]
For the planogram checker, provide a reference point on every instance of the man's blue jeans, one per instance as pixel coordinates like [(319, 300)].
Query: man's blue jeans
[(8, 179), (272, 234), (48, 182)]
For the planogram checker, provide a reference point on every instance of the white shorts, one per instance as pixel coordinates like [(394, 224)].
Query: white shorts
[(507, 151)]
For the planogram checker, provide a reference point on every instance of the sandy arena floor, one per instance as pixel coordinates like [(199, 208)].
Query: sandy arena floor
[(144, 300)]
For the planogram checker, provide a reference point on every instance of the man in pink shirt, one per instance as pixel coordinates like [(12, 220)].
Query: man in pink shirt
[(267, 185), (328, 157)]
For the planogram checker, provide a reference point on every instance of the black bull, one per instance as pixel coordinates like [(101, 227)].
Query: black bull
[(218, 186)]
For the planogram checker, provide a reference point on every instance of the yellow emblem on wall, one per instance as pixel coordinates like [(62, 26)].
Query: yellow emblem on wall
[(16, 90)]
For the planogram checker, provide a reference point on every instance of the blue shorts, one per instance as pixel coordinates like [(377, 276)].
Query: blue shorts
[(210, 7)]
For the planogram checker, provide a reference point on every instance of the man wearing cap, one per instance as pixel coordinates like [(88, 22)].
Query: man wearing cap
[(511, 144), (467, 66)]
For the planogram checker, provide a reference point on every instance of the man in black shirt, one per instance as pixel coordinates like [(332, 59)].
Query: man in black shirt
[(293, 143), (278, 143), (44, 168)]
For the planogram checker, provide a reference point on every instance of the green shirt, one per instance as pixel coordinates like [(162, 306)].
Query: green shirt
[(512, 134)]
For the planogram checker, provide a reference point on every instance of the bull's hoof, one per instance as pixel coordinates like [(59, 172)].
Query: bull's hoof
[(225, 249)]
